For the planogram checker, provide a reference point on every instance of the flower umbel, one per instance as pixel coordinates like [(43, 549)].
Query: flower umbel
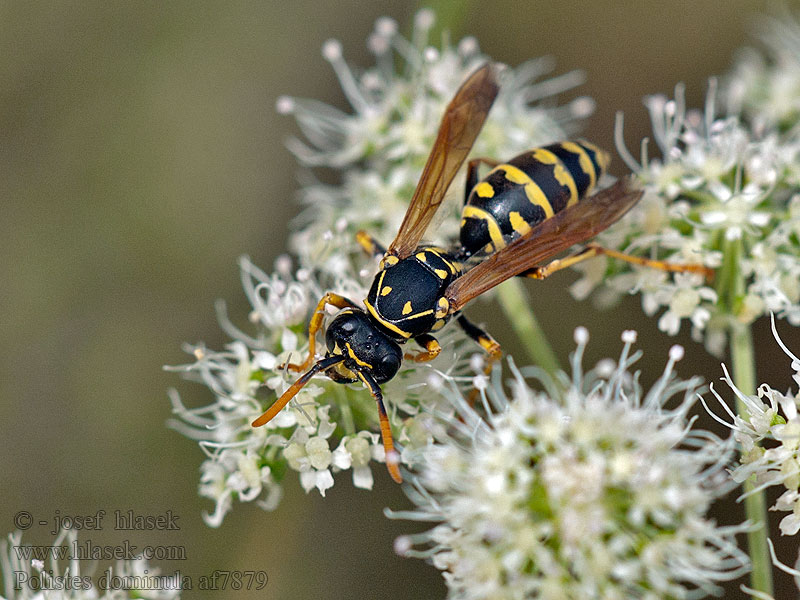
[(722, 195), (590, 489)]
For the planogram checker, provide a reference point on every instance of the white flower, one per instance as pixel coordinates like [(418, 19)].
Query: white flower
[(770, 415), (721, 195), (59, 577), (592, 489)]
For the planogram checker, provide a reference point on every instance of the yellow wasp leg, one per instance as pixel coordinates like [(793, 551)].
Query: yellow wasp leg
[(593, 250), (293, 389), (315, 325), (431, 345), (392, 456), (370, 245)]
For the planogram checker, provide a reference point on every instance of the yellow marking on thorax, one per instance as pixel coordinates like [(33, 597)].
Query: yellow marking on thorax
[(386, 290), (560, 172), (484, 189), (421, 256), (441, 273), (352, 354), (519, 224), (384, 322), (388, 261), (586, 164), (438, 253), (424, 313), (496, 235), (407, 308), (442, 308)]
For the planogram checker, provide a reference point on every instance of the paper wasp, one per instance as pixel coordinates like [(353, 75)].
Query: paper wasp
[(521, 215)]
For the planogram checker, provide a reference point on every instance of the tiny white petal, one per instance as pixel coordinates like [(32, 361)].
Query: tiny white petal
[(332, 50), (284, 105), (362, 478)]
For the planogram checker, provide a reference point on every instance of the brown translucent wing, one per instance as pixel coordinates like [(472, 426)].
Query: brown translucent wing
[(462, 121), (572, 225)]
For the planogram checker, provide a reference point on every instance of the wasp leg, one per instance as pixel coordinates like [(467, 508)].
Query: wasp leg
[(431, 345), (487, 342), (315, 324), (392, 456), (593, 250), (370, 245), (472, 173)]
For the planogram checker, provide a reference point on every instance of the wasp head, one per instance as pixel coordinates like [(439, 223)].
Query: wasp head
[(354, 336)]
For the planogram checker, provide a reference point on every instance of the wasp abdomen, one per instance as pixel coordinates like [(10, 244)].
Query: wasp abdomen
[(526, 190)]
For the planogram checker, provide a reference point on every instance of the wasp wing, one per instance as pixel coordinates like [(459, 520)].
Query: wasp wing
[(552, 236), (462, 121)]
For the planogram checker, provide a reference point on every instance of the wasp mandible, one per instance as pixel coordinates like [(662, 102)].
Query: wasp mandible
[(516, 219)]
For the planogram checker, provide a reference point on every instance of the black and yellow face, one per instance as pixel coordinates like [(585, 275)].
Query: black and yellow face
[(365, 349)]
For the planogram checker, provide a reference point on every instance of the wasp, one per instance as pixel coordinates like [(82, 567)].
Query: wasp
[(516, 219)]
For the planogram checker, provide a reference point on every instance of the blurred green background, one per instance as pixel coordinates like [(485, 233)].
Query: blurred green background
[(140, 155)]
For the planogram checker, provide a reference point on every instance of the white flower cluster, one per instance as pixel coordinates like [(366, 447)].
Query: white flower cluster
[(592, 489), (726, 194), (766, 89), (770, 416), (31, 578), (379, 151)]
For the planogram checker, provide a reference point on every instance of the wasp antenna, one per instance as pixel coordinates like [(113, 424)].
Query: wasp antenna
[(294, 388), (392, 456)]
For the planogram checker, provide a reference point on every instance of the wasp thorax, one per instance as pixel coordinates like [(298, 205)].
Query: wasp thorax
[(353, 335)]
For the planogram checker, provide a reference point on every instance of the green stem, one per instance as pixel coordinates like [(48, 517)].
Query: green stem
[(755, 506), (744, 376), (514, 303)]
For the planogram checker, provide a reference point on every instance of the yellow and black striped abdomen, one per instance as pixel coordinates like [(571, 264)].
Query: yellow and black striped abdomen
[(526, 190)]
